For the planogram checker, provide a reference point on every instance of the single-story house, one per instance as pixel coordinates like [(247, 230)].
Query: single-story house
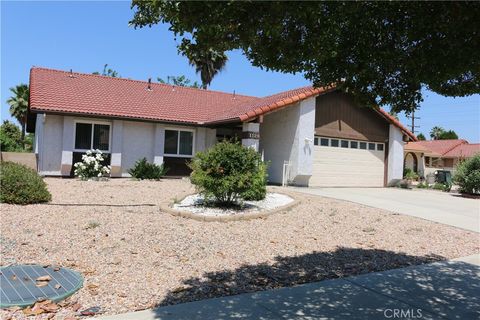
[(428, 156), (310, 136)]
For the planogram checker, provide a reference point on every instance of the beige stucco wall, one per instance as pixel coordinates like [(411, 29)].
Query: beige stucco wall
[(130, 141), (25, 158)]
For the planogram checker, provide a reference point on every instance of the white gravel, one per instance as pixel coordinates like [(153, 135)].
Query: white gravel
[(195, 204)]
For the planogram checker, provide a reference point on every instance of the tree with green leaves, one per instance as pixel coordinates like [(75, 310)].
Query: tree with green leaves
[(448, 135), (436, 132), (180, 81), (382, 53), (10, 137), (421, 137), (207, 62), (19, 105), (107, 72), (394, 114)]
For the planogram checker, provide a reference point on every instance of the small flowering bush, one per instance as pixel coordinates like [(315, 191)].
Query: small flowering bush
[(91, 166)]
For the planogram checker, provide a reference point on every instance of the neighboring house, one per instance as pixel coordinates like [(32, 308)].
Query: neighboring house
[(310, 136), (428, 156)]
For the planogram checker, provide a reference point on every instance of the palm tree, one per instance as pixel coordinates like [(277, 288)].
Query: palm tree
[(19, 105), (436, 132), (107, 72), (207, 62)]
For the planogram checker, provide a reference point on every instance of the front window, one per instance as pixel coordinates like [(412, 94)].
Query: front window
[(178, 143), (92, 136)]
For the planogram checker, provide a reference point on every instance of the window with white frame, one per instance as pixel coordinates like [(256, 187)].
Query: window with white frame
[(92, 135), (352, 144), (178, 143)]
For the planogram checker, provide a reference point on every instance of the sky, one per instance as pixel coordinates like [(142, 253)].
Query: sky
[(84, 36)]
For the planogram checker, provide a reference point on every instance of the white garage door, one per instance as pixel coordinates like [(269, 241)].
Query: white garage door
[(347, 163)]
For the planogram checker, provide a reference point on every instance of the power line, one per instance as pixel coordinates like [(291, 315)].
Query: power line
[(413, 126)]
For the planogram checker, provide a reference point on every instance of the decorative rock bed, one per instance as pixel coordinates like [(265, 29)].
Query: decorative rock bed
[(193, 206)]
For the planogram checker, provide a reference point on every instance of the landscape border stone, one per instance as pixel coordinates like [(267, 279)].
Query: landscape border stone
[(228, 218)]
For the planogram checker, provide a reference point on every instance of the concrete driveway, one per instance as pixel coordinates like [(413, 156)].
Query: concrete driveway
[(431, 205)]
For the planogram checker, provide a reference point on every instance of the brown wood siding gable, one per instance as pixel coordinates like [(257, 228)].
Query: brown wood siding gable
[(336, 115)]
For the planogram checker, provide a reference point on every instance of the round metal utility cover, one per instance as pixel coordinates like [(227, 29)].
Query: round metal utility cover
[(22, 285)]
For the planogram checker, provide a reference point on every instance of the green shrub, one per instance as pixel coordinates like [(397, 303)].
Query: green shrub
[(228, 172), (467, 175), (21, 185), (144, 170), (409, 174), (422, 185), (442, 186), (258, 190)]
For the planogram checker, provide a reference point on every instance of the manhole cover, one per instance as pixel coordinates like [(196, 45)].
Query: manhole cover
[(21, 285)]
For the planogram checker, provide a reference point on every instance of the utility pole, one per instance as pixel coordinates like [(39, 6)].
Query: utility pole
[(413, 126)]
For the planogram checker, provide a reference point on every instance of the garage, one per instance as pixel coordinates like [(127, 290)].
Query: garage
[(347, 163)]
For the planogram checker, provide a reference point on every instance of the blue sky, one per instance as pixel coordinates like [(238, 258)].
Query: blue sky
[(83, 36)]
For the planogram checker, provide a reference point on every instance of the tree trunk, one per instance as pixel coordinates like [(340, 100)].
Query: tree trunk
[(23, 135)]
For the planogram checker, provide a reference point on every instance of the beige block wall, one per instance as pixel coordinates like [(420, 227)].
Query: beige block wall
[(28, 159)]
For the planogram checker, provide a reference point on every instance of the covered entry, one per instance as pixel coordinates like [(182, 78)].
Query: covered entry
[(347, 163)]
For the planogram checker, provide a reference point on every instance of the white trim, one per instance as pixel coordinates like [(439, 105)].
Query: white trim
[(93, 123), (178, 129), (50, 173)]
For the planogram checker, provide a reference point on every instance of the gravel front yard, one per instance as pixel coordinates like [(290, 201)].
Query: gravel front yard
[(134, 257)]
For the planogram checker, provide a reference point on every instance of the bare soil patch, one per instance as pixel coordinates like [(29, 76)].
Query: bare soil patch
[(134, 256)]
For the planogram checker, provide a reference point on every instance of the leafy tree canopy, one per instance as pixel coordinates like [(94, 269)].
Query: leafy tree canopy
[(421, 137), (447, 135), (381, 52), (181, 81), (439, 133), (108, 72), (11, 138)]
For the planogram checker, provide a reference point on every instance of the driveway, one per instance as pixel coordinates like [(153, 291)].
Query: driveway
[(431, 205)]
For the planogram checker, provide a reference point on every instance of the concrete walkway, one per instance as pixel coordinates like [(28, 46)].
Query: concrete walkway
[(431, 205), (442, 290)]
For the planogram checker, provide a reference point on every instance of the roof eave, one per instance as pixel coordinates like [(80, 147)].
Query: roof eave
[(262, 110), (115, 117)]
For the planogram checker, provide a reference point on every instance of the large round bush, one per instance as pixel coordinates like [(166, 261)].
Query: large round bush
[(467, 175), (21, 185), (229, 172)]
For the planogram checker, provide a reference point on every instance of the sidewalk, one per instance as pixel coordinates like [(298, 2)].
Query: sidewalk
[(442, 290)]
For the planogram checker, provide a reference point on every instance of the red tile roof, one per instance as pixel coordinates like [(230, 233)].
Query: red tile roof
[(416, 147), (438, 146), (65, 92), (466, 150), (78, 93)]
